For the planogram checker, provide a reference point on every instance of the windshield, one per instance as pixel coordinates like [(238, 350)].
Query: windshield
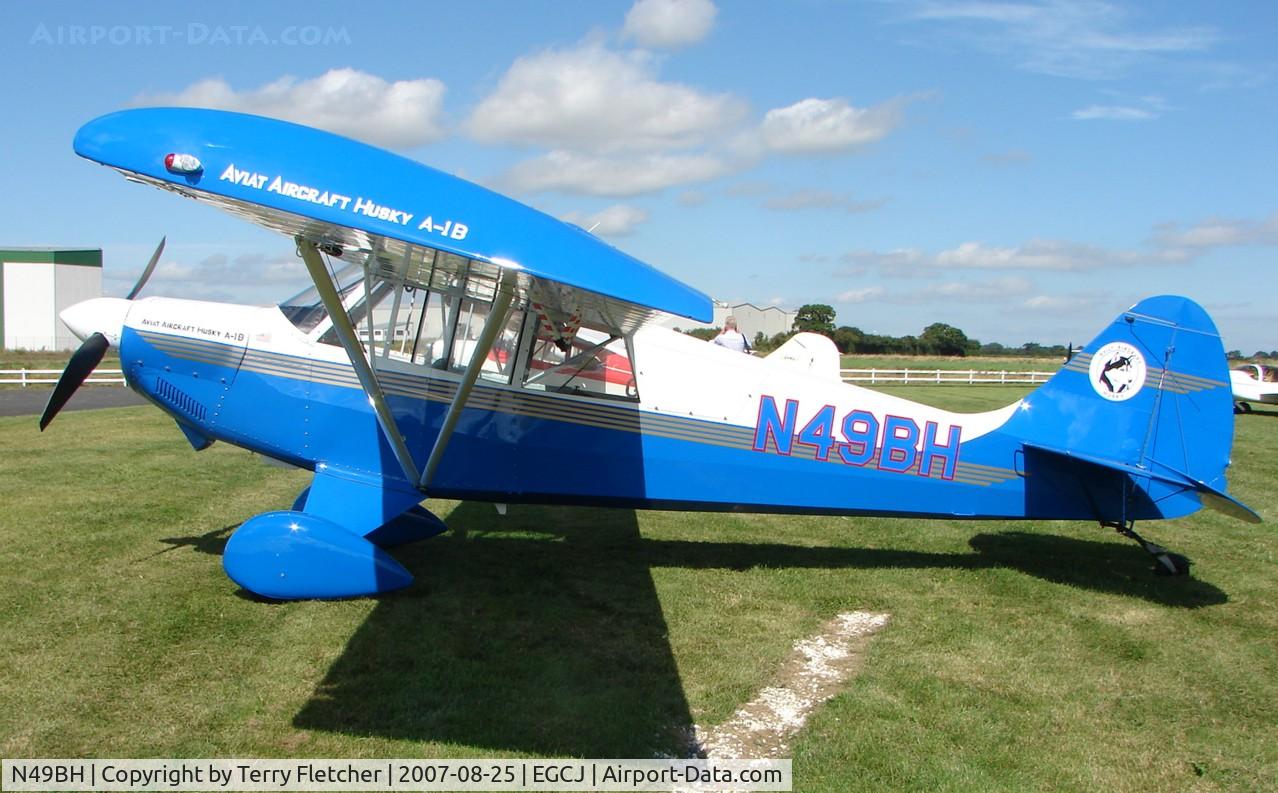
[(306, 311)]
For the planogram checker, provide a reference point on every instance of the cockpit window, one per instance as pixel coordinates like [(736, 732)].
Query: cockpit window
[(587, 362), (435, 320), (359, 312), (306, 310)]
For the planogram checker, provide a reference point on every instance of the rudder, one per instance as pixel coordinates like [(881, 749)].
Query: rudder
[(1145, 410)]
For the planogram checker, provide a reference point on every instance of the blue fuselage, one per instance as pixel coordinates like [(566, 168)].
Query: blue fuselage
[(516, 445)]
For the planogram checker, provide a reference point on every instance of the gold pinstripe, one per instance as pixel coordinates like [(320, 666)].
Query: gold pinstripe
[(522, 403), (1165, 379)]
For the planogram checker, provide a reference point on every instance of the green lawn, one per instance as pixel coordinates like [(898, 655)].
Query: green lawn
[(29, 359), (1019, 656)]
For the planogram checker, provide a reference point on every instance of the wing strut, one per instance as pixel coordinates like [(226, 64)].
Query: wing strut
[(483, 345), (355, 351)]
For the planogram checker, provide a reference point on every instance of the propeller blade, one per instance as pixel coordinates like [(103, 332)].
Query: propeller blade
[(150, 268), (78, 368)]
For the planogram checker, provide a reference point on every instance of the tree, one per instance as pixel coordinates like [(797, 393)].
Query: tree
[(815, 318), (941, 339), (705, 334), (776, 341), (849, 340)]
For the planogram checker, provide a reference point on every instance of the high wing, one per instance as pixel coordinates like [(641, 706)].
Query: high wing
[(349, 197), (405, 224)]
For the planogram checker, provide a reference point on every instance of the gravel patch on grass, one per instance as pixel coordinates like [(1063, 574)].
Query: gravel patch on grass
[(815, 671)]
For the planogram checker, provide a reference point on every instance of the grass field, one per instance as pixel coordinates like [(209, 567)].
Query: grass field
[(925, 362), (1018, 657), (28, 359)]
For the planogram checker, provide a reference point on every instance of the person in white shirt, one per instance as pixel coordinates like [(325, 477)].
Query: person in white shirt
[(732, 338)]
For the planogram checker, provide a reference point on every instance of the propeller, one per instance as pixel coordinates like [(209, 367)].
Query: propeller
[(146, 272), (81, 365), (98, 321)]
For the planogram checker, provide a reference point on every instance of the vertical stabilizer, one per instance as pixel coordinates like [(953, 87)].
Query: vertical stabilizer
[(1141, 421)]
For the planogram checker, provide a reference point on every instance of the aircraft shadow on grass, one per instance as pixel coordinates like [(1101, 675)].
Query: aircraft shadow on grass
[(1273, 414), (517, 636), (516, 639), (212, 542)]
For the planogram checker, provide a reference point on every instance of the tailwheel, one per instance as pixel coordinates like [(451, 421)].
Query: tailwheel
[(1168, 563)]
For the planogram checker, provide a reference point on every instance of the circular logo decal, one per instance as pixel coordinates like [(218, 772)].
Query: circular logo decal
[(1117, 371)]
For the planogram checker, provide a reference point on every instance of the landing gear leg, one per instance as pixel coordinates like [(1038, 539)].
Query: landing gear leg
[(1168, 563)]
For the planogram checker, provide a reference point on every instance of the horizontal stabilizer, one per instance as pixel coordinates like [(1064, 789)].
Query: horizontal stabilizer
[(1211, 497)]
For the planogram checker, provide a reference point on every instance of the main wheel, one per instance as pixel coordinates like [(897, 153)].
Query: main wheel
[(295, 556), (1179, 564)]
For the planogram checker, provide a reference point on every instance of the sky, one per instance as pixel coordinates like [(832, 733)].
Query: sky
[(1021, 170)]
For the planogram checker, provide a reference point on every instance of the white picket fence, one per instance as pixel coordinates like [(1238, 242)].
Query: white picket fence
[(26, 377), (941, 377)]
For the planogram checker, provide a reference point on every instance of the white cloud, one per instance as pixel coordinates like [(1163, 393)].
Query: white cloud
[(398, 114), (1226, 76), (822, 126), (1047, 255), (898, 257), (1216, 232), (1076, 304), (246, 278), (1113, 113), (1170, 244), (613, 177), (1034, 255), (1058, 255), (995, 291), (668, 24), (820, 199), (594, 99), (947, 293), (1089, 39), (860, 295), (692, 198), (618, 220)]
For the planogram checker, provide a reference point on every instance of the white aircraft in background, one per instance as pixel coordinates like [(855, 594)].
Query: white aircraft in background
[(1254, 382)]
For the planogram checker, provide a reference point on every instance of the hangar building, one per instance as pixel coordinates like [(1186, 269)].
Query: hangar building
[(35, 285), (751, 319)]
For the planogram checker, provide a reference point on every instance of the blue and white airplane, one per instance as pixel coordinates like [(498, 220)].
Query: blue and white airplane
[(457, 344)]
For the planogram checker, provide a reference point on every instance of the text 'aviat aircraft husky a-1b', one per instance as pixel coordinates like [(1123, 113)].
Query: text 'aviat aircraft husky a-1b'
[(458, 344)]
